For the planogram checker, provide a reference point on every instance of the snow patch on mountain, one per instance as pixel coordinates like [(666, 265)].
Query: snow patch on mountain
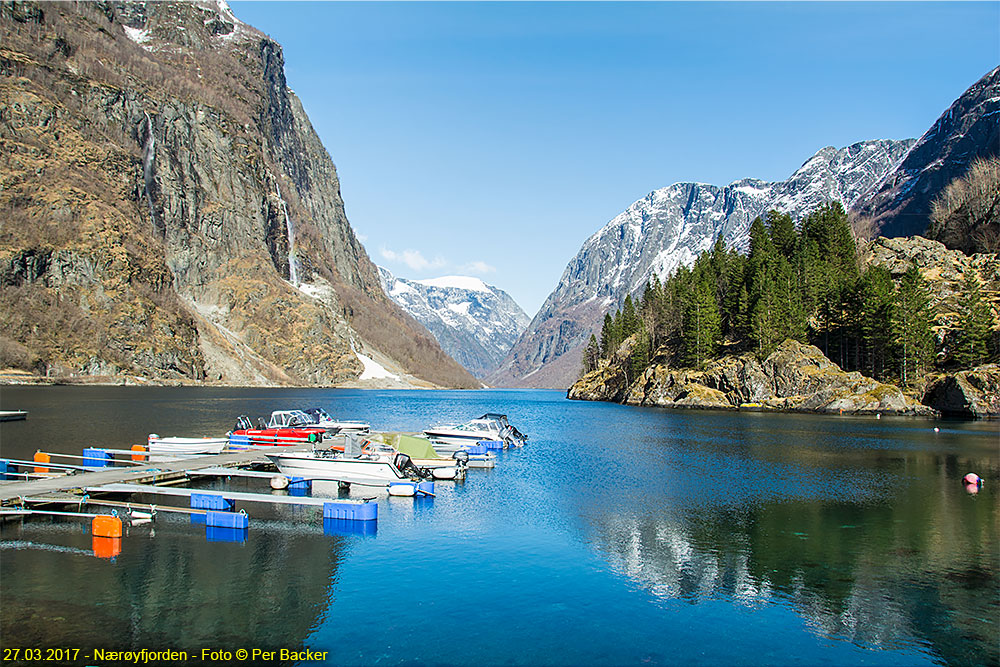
[(373, 370), (456, 282), (473, 322)]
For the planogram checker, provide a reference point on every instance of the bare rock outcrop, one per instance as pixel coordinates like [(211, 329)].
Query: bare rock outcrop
[(795, 377), (973, 393)]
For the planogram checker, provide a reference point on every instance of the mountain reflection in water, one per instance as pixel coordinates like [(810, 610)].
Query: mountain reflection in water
[(905, 562)]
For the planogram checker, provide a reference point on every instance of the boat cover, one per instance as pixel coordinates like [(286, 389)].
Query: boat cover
[(411, 445)]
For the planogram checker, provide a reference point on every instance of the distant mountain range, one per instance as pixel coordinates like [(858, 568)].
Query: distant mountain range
[(473, 322), (889, 181)]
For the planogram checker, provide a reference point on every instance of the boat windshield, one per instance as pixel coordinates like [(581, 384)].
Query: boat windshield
[(476, 425), (320, 415), (283, 418)]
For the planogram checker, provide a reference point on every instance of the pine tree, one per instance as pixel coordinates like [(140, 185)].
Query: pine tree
[(765, 319), (639, 359), (874, 310), (630, 318), (975, 324), (616, 331), (591, 354), (911, 328), (781, 229), (701, 325), (607, 336)]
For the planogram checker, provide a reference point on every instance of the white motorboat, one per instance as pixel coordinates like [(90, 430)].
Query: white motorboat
[(489, 427), (342, 426), (449, 438), (175, 446), (364, 469), (318, 418)]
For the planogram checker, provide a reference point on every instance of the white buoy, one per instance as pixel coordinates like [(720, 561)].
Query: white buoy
[(279, 482), (937, 430)]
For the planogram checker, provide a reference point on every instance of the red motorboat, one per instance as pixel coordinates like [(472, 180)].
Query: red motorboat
[(244, 435)]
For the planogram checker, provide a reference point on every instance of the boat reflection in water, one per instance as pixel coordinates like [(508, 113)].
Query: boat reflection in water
[(167, 585)]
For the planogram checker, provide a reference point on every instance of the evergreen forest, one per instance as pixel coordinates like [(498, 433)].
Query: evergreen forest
[(803, 281)]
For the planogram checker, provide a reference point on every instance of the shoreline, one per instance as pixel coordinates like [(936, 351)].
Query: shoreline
[(11, 379)]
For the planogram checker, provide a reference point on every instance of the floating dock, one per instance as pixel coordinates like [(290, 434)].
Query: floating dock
[(227, 495), (11, 492)]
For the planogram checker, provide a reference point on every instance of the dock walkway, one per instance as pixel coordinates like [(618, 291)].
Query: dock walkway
[(152, 473)]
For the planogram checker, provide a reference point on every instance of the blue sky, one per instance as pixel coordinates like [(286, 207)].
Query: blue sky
[(492, 139)]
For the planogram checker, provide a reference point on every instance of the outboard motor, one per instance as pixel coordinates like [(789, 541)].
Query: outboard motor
[(243, 423), (260, 423), (407, 467), (461, 458)]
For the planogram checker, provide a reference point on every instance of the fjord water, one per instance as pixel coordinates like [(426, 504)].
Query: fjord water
[(619, 535)]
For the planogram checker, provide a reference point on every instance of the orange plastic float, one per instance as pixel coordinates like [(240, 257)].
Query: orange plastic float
[(42, 457), (105, 525)]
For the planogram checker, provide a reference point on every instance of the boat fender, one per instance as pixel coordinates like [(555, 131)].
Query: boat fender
[(402, 489), (279, 482), (445, 473)]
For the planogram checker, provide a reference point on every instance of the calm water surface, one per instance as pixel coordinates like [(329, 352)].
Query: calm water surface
[(619, 535)]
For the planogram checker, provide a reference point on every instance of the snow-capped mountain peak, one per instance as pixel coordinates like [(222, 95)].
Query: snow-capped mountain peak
[(473, 322)]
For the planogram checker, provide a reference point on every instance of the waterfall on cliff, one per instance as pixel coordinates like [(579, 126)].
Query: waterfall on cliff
[(293, 274), (148, 152)]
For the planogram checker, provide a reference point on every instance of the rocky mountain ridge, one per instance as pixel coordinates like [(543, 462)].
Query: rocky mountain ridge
[(900, 205), (668, 228), (475, 323), (172, 214)]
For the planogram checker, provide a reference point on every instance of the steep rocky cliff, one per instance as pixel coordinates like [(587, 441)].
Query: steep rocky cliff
[(169, 212), (473, 322), (669, 228), (900, 204)]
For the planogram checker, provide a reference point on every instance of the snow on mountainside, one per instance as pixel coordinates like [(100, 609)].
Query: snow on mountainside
[(668, 228), (473, 322)]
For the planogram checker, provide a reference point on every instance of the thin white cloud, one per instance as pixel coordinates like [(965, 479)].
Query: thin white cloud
[(478, 267), (412, 258)]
